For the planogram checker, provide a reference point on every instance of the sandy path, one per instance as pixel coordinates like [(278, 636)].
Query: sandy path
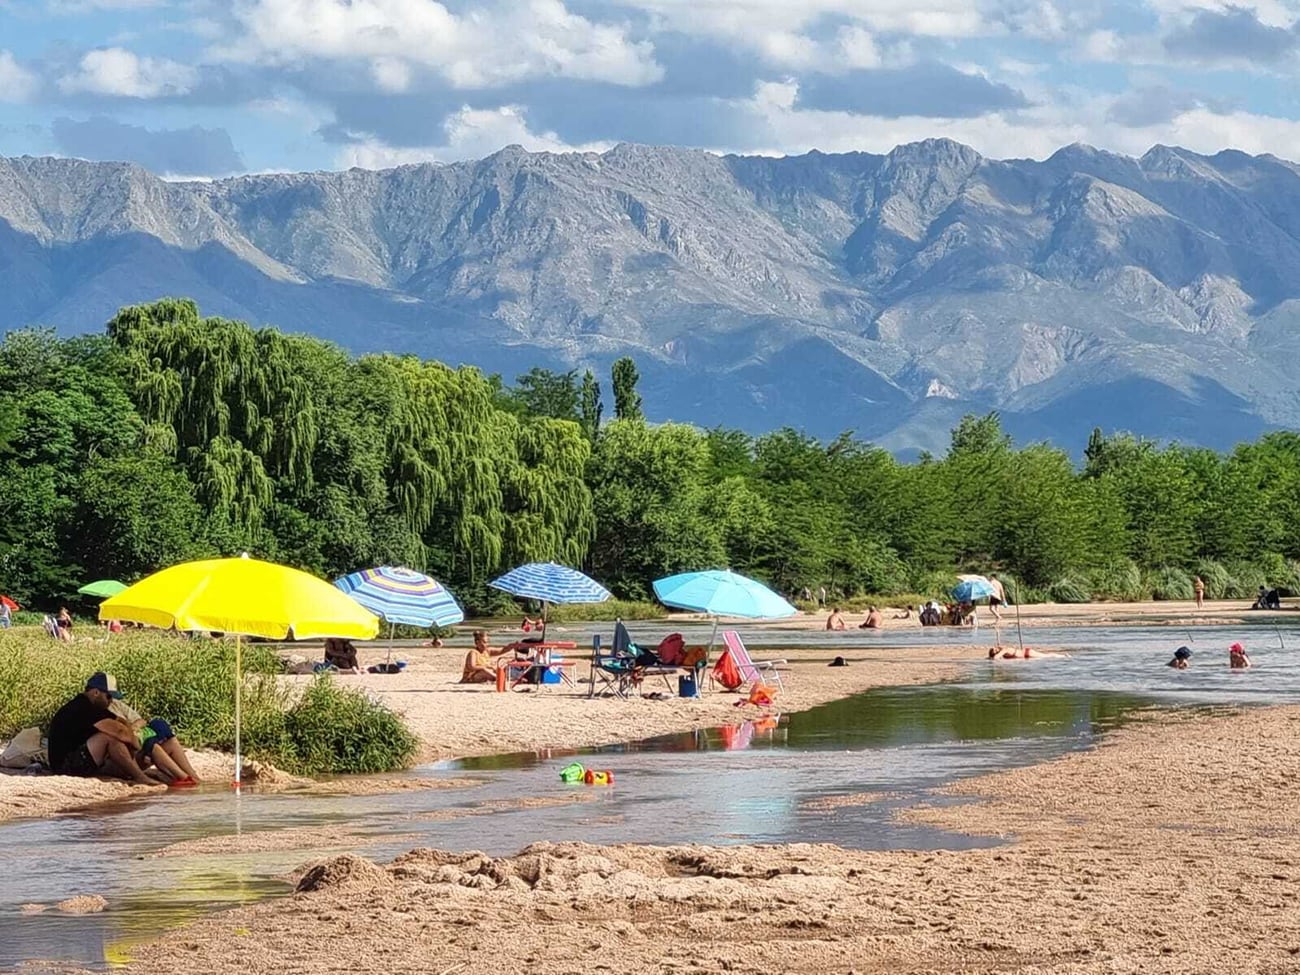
[(1174, 847)]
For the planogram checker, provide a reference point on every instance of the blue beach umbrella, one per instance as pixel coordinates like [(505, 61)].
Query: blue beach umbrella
[(721, 592), (402, 596), (550, 583), (972, 588)]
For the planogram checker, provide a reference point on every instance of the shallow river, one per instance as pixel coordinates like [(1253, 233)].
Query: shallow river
[(750, 782)]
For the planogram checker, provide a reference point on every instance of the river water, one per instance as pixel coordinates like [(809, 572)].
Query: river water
[(754, 781)]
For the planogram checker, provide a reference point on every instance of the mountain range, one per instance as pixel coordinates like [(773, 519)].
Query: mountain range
[(884, 294)]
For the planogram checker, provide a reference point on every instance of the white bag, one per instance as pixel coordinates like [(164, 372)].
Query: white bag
[(24, 749)]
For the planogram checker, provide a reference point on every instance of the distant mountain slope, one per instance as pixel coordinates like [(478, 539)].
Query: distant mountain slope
[(886, 294)]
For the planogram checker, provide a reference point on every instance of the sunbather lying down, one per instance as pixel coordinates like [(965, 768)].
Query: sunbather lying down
[(1027, 653)]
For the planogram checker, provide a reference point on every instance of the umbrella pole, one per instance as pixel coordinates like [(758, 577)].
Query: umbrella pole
[(1020, 634), (545, 609), (392, 628), (239, 643)]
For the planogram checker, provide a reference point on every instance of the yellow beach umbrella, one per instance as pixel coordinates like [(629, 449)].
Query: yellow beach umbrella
[(246, 597)]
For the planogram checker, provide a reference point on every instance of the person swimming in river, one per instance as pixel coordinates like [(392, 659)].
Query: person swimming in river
[(1237, 658), (1181, 659)]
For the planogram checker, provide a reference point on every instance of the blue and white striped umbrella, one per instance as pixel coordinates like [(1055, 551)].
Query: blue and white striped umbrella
[(551, 583), (402, 596)]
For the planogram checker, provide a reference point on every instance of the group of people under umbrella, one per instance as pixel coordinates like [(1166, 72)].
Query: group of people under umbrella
[(247, 597)]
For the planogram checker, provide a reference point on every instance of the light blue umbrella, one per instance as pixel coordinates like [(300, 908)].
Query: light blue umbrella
[(721, 592), (402, 596), (972, 588), (550, 583)]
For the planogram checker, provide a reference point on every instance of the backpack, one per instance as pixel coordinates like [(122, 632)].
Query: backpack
[(671, 650)]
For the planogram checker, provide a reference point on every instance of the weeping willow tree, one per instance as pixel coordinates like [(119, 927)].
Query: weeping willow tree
[(547, 502), (225, 400)]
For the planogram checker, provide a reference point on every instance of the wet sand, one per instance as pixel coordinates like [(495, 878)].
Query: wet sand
[(1173, 847)]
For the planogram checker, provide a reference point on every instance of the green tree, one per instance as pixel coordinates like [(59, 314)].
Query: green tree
[(591, 408), (627, 401)]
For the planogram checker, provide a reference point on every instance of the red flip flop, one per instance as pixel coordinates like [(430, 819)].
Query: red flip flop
[(185, 783)]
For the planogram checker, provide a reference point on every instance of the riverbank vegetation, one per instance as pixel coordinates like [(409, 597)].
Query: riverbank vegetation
[(173, 436), (316, 729)]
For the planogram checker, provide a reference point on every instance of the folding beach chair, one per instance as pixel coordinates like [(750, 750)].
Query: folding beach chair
[(612, 673), (751, 670)]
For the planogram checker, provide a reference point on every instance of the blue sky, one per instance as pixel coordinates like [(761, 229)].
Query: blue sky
[(203, 88)]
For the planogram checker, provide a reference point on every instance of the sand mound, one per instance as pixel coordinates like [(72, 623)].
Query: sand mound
[(82, 904), (347, 870)]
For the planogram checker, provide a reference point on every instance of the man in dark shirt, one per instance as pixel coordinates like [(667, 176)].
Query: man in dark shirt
[(87, 739)]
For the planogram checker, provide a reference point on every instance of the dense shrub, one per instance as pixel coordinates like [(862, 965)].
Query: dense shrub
[(1244, 581), (610, 609), (1216, 577), (1118, 579), (1070, 589), (190, 683), (1170, 582)]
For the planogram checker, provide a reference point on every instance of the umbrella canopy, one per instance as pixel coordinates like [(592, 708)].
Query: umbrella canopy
[(971, 588), (399, 595), (104, 588), (246, 597), (9, 604), (721, 592), (551, 583), (243, 596)]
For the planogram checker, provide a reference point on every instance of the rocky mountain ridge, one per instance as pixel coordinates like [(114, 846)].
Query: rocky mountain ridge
[(881, 293)]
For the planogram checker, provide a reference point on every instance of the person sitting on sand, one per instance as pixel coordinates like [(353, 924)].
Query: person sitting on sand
[(930, 615), (1181, 659), (479, 668), (87, 739), (64, 623), (906, 614), (342, 655), (1237, 658), (874, 621), (159, 746), (835, 621)]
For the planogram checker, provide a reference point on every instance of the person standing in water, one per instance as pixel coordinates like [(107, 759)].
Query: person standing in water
[(1237, 658), (1181, 660)]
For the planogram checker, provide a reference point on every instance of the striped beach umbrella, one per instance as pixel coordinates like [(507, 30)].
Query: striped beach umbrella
[(402, 596), (550, 583)]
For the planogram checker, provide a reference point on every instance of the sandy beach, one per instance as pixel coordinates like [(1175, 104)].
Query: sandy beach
[(1173, 847), (454, 720)]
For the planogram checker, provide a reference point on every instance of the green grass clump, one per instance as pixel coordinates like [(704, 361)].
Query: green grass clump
[(337, 729), (190, 683), (1245, 578), (1070, 589), (1170, 582), (1216, 577), (1119, 579), (608, 611)]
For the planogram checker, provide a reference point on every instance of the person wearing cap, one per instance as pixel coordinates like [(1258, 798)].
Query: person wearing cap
[(1237, 658), (159, 746), (1182, 659), (86, 738)]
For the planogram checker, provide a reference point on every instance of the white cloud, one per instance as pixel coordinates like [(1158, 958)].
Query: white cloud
[(17, 84), (487, 45), (857, 48), (121, 73), (391, 74), (471, 134), (1036, 132), (1274, 13)]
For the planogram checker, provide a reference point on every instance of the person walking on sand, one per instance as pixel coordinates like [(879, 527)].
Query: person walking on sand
[(1198, 587), (87, 739), (998, 598)]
